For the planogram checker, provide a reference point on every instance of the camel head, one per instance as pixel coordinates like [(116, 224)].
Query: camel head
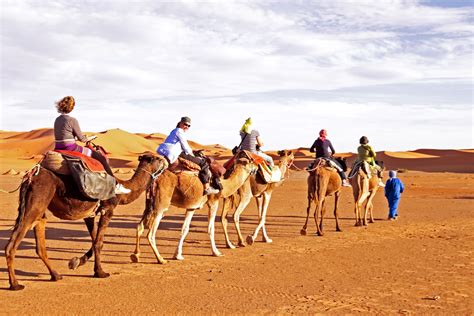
[(152, 163), (286, 156)]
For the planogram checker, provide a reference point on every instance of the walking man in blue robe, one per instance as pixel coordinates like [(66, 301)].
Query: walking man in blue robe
[(393, 190)]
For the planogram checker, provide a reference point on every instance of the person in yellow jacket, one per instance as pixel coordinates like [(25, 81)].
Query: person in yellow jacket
[(366, 153)]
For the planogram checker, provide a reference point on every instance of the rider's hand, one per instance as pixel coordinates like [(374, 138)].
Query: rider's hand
[(89, 138)]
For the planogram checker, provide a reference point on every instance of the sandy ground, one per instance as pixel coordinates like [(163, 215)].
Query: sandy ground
[(419, 264)]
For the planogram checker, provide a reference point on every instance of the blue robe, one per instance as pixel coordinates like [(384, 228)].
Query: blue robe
[(393, 189)]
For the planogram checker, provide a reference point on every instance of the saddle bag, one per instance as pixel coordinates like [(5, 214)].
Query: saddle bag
[(94, 185)]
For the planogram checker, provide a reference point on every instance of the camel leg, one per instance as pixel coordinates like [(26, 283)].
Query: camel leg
[(265, 237), (99, 242), (317, 213), (336, 202), (152, 236), (184, 231), (323, 213), (262, 204), (245, 200), (34, 206), (76, 262), (18, 234), (213, 207), (308, 209), (135, 256), (225, 211), (41, 248), (370, 207)]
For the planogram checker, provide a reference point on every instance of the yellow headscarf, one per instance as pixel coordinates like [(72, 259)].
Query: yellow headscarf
[(247, 127)]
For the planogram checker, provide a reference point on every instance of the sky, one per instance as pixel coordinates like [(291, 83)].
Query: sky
[(398, 72)]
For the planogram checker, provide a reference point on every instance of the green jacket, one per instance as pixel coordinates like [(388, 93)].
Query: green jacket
[(366, 153)]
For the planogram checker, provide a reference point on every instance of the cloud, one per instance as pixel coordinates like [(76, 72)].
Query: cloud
[(143, 64)]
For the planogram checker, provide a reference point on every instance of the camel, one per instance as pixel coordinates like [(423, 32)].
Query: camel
[(184, 190), (364, 190), (255, 186), (323, 182), (58, 193)]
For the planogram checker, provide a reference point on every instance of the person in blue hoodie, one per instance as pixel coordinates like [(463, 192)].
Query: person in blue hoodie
[(393, 190)]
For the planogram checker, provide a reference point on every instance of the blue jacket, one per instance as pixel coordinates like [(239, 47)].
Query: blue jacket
[(393, 188)]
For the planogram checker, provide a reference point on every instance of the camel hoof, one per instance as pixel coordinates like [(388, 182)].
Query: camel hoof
[(74, 263), (135, 257), (178, 257), (320, 233), (217, 254), (249, 240), (357, 224), (268, 240), (371, 221), (338, 230), (242, 244), (101, 275), (303, 232), (162, 261), (16, 287), (56, 277), (230, 246)]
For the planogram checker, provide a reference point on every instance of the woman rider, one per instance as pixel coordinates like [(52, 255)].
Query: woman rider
[(251, 141), (176, 145), (67, 130)]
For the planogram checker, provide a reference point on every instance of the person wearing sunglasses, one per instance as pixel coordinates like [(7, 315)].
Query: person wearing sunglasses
[(176, 145)]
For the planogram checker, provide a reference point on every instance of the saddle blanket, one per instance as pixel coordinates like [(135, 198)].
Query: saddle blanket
[(54, 161)]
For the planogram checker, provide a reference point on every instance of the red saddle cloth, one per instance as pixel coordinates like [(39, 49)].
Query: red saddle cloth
[(92, 164)]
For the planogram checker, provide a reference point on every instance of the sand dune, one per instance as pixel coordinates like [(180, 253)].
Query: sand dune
[(21, 150)]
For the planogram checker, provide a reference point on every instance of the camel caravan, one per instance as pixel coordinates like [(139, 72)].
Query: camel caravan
[(76, 182)]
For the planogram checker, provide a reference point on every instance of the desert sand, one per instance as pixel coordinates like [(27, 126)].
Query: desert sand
[(420, 264)]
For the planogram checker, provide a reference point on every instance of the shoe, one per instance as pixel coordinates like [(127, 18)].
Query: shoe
[(346, 183), (120, 189), (210, 190)]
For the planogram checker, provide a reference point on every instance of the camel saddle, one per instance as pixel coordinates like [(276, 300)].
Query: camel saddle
[(88, 173), (55, 162), (182, 165), (322, 163), (360, 165), (268, 174)]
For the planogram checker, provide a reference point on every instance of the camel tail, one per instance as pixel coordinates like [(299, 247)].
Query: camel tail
[(149, 214), (22, 203)]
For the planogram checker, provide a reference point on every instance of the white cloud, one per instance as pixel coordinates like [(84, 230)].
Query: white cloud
[(143, 64)]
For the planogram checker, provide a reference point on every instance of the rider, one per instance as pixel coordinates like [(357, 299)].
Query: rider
[(251, 141), (367, 154), (322, 145), (176, 145), (67, 130)]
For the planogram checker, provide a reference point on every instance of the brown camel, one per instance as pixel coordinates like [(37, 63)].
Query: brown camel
[(59, 194), (256, 187), (323, 181), (184, 190), (364, 190)]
